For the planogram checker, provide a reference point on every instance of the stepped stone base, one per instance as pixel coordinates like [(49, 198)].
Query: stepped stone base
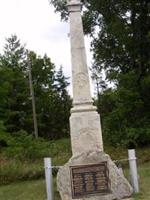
[(119, 186)]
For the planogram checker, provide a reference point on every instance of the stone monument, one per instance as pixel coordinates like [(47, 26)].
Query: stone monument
[(90, 173)]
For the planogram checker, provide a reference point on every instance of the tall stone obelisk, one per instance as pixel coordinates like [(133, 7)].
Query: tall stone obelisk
[(90, 173), (85, 121)]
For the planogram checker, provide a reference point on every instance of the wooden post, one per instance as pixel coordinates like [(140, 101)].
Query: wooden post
[(48, 178), (33, 100), (133, 170)]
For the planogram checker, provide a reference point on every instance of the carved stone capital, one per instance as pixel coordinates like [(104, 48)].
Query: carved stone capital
[(74, 5)]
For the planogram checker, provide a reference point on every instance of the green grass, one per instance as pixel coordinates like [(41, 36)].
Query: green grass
[(26, 190), (144, 181), (35, 189), (12, 170)]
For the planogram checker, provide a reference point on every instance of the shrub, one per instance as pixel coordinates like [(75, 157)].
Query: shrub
[(24, 146)]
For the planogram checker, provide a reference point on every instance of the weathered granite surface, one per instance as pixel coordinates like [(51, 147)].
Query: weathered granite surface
[(120, 187)]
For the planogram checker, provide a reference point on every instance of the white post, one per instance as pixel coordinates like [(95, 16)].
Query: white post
[(48, 177), (133, 170)]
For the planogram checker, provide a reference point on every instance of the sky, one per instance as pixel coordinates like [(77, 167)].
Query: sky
[(37, 25)]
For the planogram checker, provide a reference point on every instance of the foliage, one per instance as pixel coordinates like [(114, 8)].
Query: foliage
[(52, 100), (13, 85), (63, 103), (50, 87), (22, 145), (125, 117), (22, 159)]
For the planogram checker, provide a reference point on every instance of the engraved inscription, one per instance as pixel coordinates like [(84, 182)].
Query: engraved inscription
[(89, 180)]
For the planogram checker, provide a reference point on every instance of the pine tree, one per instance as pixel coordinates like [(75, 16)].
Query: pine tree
[(63, 101), (50, 89), (51, 97), (14, 85)]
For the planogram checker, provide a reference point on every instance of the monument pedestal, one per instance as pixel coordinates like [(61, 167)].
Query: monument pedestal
[(85, 131), (95, 177)]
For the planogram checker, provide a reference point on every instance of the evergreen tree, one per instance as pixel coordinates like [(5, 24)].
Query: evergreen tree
[(42, 71), (13, 85), (50, 89), (63, 101), (52, 99)]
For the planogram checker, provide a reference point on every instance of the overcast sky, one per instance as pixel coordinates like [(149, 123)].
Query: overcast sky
[(40, 28)]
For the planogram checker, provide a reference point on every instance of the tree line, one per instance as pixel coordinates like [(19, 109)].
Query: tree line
[(52, 100), (120, 32)]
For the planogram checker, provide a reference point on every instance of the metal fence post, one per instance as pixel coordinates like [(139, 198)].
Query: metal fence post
[(48, 178), (133, 170)]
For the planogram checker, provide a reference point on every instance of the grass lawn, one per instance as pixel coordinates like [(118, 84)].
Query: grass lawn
[(26, 190), (35, 190), (144, 181)]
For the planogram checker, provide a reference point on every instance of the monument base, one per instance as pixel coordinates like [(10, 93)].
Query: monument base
[(85, 130), (71, 186)]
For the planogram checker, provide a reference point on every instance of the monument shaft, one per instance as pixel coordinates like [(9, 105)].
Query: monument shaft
[(84, 121), (81, 86)]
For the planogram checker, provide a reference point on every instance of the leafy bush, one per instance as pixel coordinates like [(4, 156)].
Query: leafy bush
[(125, 116), (4, 137), (22, 159), (24, 146)]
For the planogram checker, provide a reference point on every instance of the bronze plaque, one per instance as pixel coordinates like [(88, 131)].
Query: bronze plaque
[(89, 180)]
